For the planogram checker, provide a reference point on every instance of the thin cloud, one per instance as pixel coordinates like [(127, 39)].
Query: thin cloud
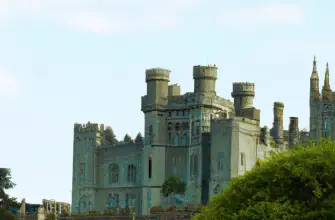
[(103, 16), (253, 18), (9, 84)]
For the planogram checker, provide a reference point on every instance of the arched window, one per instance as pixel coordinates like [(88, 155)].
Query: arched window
[(185, 140), (177, 127), (170, 126), (176, 140), (132, 173), (114, 171), (174, 160)]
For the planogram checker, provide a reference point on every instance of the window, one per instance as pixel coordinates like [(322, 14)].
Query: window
[(176, 140), (85, 147), (170, 126), (114, 173), (170, 114), (150, 167), (179, 113), (221, 160), (113, 200), (150, 130), (174, 171), (185, 126), (177, 127), (184, 140), (174, 160), (169, 138), (132, 173), (242, 162)]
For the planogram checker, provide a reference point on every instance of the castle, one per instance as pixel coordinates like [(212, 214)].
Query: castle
[(198, 136)]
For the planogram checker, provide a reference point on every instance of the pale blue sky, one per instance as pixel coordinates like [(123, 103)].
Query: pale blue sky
[(67, 61)]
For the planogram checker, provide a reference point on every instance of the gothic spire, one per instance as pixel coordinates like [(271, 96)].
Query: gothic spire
[(315, 71), (326, 85)]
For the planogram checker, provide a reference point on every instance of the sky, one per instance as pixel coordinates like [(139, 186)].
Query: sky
[(67, 61)]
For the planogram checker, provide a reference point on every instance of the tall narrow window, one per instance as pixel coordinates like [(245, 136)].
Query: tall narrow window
[(132, 173), (176, 140), (242, 166), (150, 167), (114, 173), (184, 140)]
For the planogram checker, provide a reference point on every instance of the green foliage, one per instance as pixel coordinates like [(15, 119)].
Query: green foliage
[(6, 215), (12, 201), (296, 184), (109, 212), (173, 185), (51, 216), (5, 181), (94, 213)]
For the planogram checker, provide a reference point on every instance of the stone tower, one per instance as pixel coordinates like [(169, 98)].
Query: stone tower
[(277, 130), (204, 79), (293, 135), (314, 120), (86, 140), (153, 107), (243, 94)]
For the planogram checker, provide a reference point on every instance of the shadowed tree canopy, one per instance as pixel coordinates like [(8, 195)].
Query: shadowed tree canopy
[(5, 181), (296, 184)]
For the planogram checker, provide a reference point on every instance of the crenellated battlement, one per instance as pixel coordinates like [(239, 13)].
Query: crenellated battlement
[(278, 104), (203, 72), (243, 89), (157, 74), (88, 127)]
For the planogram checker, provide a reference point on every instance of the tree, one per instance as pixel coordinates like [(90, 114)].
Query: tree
[(173, 185), (6, 215), (5, 181), (296, 184)]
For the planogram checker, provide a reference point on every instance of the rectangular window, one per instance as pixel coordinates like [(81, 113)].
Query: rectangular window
[(150, 167), (174, 171)]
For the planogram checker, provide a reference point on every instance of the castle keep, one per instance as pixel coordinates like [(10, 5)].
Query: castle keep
[(198, 136)]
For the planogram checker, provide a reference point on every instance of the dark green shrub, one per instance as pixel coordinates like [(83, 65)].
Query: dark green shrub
[(297, 184), (6, 215)]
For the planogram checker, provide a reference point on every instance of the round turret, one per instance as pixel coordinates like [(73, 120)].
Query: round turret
[(243, 94), (157, 74), (204, 79), (157, 80)]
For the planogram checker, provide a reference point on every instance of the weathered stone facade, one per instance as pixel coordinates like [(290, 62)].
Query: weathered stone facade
[(200, 137), (322, 106)]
